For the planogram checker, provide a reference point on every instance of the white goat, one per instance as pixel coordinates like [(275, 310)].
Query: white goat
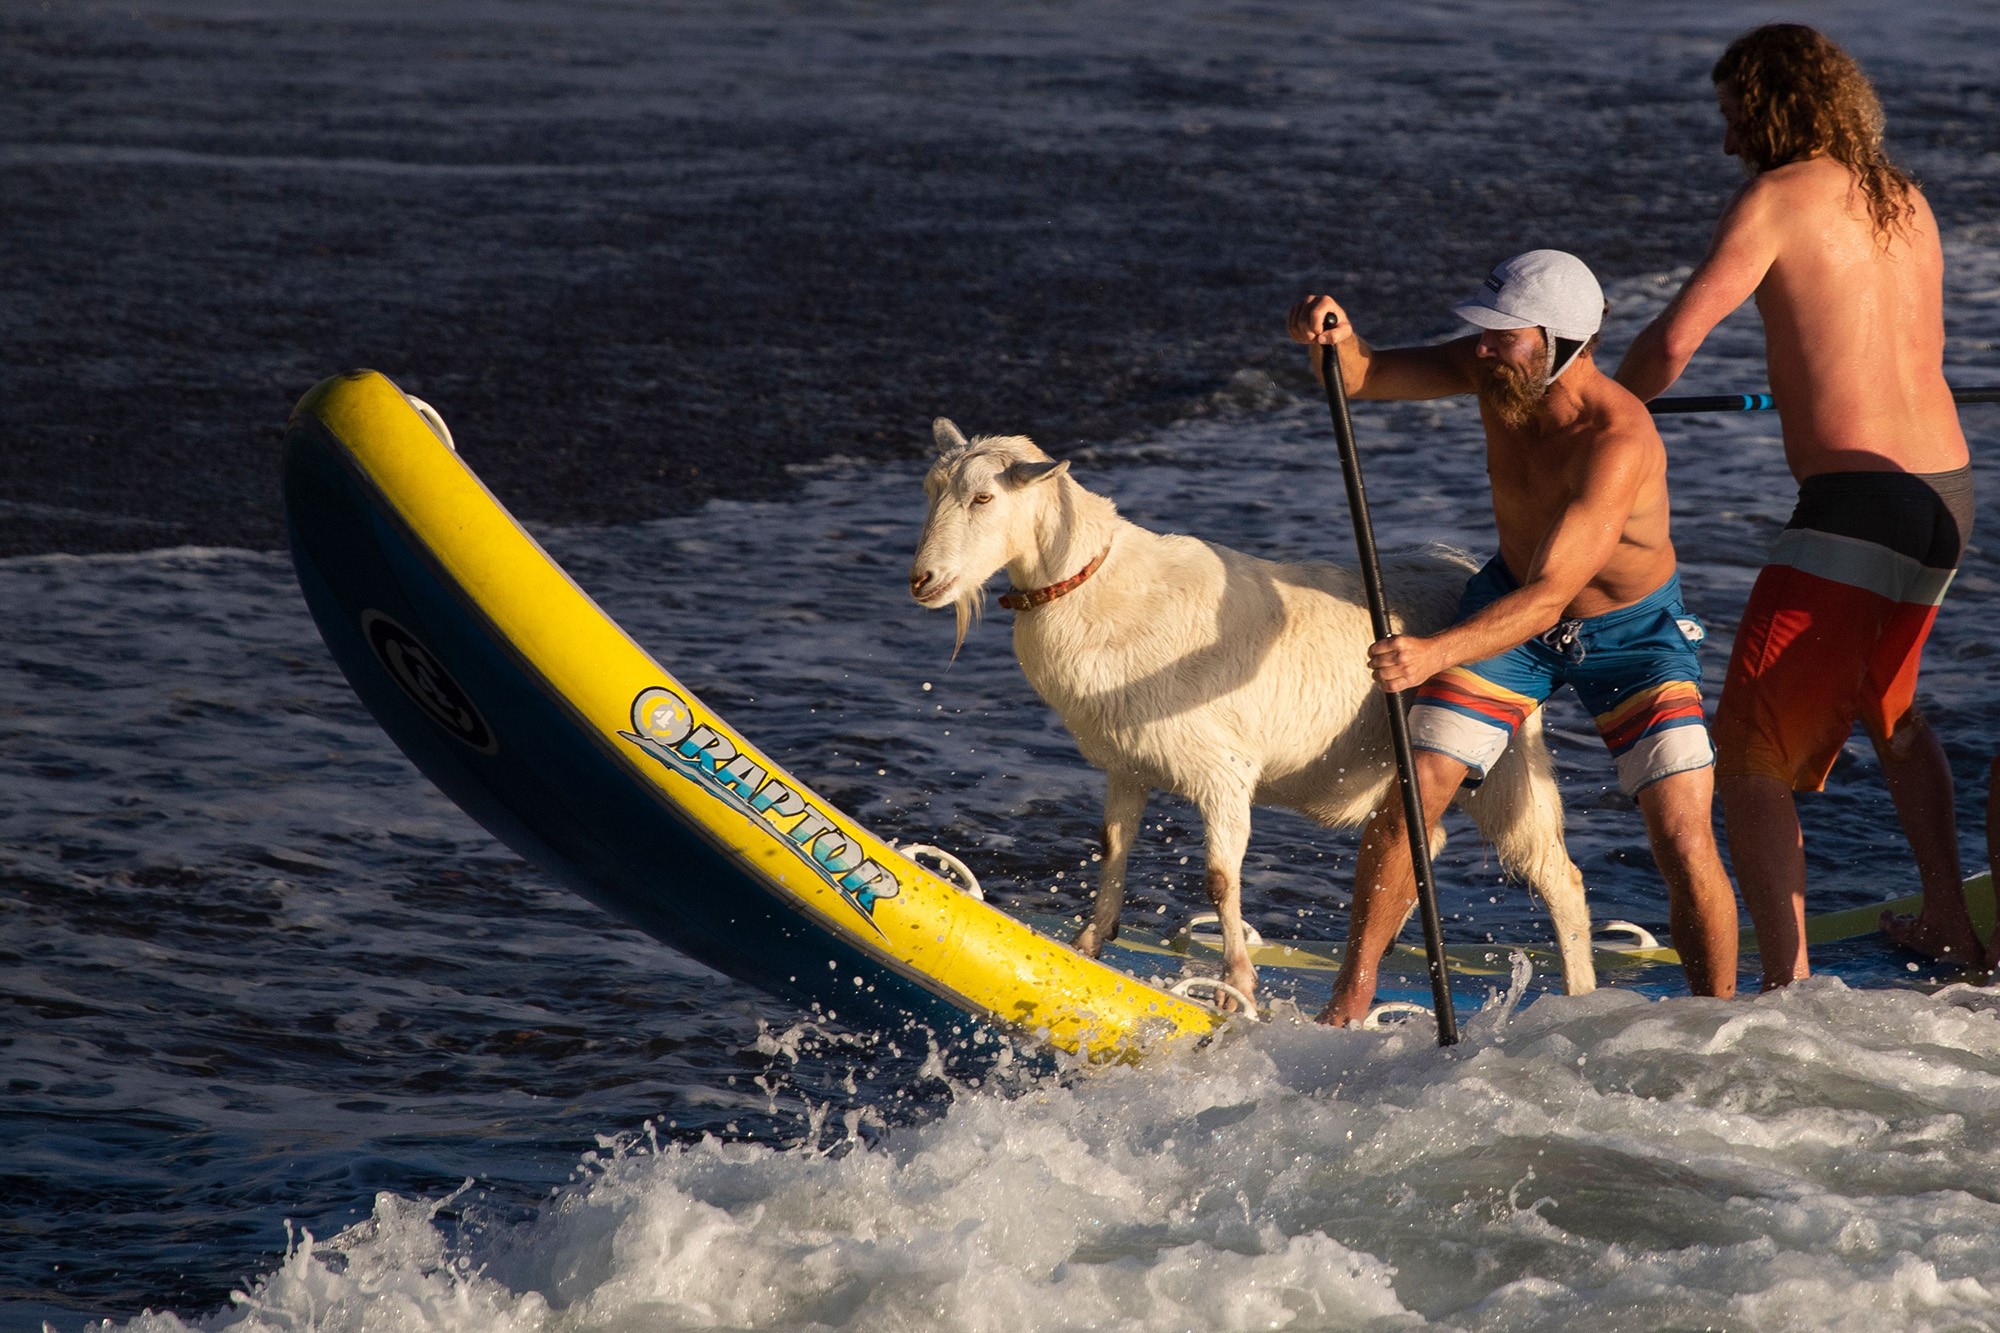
[(1185, 666)]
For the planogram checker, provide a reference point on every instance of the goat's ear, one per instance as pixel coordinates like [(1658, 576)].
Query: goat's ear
[(1027, 474), (947, 436)]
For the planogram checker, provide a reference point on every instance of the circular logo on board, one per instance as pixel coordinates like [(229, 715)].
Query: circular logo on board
[(662, 716), (424, 679)]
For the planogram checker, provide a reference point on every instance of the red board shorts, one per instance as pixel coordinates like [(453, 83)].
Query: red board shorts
[(1837, 620)]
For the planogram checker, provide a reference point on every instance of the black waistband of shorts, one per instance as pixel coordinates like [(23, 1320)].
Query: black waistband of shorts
[(1958, 480), (1926, 516)]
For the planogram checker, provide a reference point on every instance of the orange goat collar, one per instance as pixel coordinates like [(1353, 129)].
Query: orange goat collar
[(1022, 601)]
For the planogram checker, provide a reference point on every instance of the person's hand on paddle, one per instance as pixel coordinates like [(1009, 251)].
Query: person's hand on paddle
[(1307, 321), (1404, 661)]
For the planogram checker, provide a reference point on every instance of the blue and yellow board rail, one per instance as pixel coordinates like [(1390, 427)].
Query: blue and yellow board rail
[(535, 712)]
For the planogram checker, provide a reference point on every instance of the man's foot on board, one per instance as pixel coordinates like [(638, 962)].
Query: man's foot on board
[(1931, 940), (1337, 1015)]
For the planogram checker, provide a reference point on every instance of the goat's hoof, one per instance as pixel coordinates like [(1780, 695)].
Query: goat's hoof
[(1087, 942), (1245, 982)]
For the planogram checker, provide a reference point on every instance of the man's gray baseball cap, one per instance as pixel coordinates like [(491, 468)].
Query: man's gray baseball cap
[(1550, 289)]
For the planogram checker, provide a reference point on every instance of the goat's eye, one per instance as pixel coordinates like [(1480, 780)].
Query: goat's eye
[(983, 498)]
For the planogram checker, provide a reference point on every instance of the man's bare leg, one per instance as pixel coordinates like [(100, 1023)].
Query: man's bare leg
[(1701, 905), (1385, 885), (1919, 778), (1769, 854)]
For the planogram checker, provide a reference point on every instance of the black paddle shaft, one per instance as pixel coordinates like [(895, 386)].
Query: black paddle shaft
[(1763, 402), (1399, 723)]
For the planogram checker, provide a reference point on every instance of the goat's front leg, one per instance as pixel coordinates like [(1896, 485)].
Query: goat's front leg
[(1226, 831), (1124, 802)]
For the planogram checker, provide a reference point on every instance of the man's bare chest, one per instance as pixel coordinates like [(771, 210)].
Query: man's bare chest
[(1531, 487)]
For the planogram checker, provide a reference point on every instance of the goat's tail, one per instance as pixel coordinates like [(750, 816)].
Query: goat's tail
[(1519, 810)]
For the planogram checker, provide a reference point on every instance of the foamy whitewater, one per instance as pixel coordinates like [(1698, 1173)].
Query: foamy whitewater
[(286, 1022), (1601, 1161)]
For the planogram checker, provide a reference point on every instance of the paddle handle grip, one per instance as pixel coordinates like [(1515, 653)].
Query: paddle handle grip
[(1399, 723)]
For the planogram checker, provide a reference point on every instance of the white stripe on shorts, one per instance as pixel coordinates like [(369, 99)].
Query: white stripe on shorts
[(1478, 745)]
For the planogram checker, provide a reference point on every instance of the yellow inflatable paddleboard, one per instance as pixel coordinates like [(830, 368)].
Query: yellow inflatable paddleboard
[(530, 708)]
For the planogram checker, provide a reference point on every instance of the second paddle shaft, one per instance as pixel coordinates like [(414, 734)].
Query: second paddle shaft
[(1763, 402)]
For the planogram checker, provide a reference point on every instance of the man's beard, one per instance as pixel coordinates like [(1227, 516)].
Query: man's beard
[(1513, 395)]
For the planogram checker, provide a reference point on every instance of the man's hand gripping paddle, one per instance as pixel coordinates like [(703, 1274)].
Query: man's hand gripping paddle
[(1399, 726)]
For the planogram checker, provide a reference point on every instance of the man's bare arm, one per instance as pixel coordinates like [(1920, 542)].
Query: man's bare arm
[(1381, 373), (1578, 545), (1744, 248)]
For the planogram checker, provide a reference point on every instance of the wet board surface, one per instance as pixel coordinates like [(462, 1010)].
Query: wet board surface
[(1302, 970)]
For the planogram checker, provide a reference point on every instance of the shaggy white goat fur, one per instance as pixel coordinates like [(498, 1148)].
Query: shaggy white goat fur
[(1188, 667)]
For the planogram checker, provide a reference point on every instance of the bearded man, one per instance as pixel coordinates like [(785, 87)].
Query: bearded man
[(1842, 253), (1584, 591)]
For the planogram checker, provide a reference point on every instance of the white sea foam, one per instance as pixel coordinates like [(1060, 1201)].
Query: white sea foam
[(1828, 1158)]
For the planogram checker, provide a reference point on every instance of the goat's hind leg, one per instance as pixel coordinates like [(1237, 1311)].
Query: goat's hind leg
[(1226, 832), (1519, 810), (1124, 802)]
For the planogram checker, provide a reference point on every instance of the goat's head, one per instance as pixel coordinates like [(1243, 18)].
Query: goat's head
[(984, 495)]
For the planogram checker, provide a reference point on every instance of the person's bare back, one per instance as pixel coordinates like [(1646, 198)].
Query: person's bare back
[(1853, 316), (1870, 394)]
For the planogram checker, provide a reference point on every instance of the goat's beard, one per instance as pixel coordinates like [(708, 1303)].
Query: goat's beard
[(1513, 395), (967, 609)]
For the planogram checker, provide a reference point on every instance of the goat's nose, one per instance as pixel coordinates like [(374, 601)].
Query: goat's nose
[(920, 579)]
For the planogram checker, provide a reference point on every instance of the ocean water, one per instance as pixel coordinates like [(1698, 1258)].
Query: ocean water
[(299, 1046), (295, 1045)]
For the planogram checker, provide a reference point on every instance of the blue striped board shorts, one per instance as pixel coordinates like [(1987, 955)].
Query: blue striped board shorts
[(1634, 668)]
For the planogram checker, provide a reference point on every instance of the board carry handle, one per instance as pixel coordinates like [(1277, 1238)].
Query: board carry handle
[(1191, 988), (1194, 929), (1642, 939), (1391, 1012), (958, 870)]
